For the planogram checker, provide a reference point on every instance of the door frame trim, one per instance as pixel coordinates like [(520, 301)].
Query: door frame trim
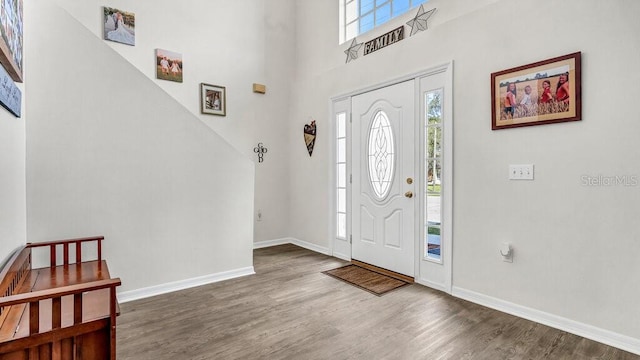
[(413, 76), (447, 211)]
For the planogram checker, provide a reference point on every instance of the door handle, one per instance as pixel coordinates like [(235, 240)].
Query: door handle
[(408, 194)]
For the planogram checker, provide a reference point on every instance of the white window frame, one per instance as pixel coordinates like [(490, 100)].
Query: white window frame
[(343, 22)]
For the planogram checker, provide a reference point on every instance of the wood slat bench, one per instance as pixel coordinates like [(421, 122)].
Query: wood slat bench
[(65, 311)]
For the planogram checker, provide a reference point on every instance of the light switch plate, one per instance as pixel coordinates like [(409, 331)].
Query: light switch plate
[(521, 172)]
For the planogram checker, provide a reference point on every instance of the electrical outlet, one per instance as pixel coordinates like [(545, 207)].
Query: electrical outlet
[(507, 252), (521, 172)]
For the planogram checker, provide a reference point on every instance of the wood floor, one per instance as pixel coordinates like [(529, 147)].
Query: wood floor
[(290, 310)]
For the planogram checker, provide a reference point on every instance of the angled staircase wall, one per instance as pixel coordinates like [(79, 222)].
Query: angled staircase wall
[(110, 153)]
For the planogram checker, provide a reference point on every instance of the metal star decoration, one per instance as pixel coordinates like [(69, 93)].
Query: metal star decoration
[(419, 23), (352, 51)]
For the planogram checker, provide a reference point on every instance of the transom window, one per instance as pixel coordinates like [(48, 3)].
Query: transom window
[(360, 16)]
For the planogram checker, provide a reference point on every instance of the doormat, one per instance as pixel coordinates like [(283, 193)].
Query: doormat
[(371, 281)]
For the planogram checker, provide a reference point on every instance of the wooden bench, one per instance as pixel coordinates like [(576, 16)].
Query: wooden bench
[(64, 311)]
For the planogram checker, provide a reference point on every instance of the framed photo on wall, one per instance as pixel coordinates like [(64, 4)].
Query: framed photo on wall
[(11, 41), (543, 92), (168, 65), (119, 26), (213, 99)]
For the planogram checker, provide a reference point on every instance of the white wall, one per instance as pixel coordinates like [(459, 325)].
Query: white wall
[(232, 44), (110, 153), (13, 212), (575, 246)]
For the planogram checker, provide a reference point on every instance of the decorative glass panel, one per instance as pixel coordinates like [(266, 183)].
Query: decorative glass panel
[(433, 166), (381, 155)]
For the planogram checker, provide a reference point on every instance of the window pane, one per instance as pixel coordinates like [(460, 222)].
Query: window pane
[(434, 142), (342, 200), (352, 11), (433, 242), (383, 14), (400, 7), (342, 175), (381, 2), (342, 226), (366, 23), (342, 155), (418, 2), (352, 30), (365, 6), (434, 177), (434, 107), (342, 124), (433, 102)]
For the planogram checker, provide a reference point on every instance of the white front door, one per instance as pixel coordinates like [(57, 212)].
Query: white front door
[(384, 183)]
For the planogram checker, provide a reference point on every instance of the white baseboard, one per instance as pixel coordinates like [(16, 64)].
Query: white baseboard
[(312, 247), (607, 337), (294, 241), (269, 243), (433, 285), (132, 295)]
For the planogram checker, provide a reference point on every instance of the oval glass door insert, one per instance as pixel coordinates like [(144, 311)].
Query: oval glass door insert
[(381, 155)]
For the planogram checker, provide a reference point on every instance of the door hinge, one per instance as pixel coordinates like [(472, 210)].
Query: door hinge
[(350, 178), (350, 118), (350, 239)]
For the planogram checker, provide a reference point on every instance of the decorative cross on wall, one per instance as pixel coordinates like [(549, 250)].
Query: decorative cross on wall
[(260, 150)]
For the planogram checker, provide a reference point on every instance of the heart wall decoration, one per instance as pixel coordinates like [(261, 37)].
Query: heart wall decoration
[(310, 136)]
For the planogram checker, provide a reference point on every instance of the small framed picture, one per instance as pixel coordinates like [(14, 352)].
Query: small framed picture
[(213, 99), (168, 65), (11, 39), (544, 92), (119, 26)]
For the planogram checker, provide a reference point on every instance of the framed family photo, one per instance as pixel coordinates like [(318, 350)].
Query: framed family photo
[(543, 92), (168, 65), (11, 41), (119, 26), (213, 99)]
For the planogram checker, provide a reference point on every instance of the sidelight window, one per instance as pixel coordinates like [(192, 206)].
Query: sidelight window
[(433, 166)]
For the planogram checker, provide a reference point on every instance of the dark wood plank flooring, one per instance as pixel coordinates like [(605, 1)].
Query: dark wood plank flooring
[(290, 310)]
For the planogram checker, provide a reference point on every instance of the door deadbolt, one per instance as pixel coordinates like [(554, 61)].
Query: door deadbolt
[(409, 181)]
